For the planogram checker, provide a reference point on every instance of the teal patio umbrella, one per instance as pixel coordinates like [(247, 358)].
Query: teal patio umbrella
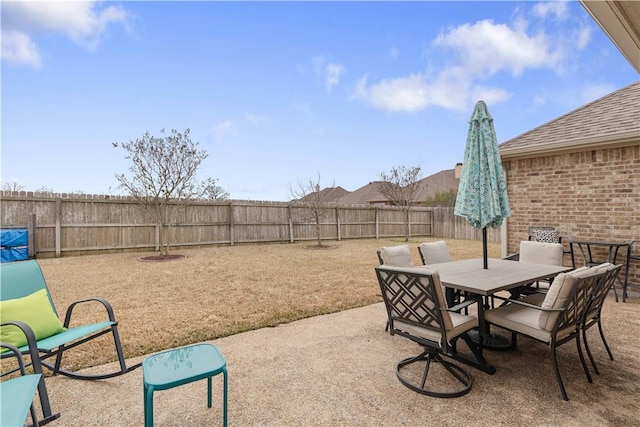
[(482, 193)]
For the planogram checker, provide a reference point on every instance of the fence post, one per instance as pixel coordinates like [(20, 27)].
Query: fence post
[(291, 239), (375, 215), (338, 222), (232, 225), (31, 235), (58, 227)]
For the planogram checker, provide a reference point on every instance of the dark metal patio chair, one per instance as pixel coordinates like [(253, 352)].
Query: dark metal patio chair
[(417, 310), (555, 321)]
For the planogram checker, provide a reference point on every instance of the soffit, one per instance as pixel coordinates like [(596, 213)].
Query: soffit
[(620, 20)]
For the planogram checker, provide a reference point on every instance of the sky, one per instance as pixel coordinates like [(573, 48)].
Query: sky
[(279, 93)]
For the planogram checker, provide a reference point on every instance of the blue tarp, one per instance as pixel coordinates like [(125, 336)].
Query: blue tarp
[(14, 254), (14, 245)]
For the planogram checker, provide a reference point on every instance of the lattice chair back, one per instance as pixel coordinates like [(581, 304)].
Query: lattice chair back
[(417, 310), (415, 303)]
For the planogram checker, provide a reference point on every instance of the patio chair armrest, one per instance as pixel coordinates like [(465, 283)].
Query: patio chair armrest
[(526, 304), (32, 344), (466, 303), (13, 349), (104, 302)]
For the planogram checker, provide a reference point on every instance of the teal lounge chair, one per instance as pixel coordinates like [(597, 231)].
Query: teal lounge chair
[(30, 322)]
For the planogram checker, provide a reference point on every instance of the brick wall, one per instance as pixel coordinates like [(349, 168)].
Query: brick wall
[(591, 195)]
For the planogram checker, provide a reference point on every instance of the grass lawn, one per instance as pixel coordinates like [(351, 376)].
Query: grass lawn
[(219, 291)]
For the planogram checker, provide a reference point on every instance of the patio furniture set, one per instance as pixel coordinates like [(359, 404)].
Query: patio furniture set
[(429, 303), (30, 326)]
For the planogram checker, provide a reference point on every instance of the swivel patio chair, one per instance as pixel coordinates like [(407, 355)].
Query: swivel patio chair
[(30, 322), (417, 310), (557, 320)]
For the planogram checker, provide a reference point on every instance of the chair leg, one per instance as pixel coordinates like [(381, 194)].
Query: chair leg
[(604, 341), (586, 346), (556, 371), (582, 361)]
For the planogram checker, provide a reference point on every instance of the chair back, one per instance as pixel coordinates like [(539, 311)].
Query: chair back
[(602, 290), (22, 278), (396, 256), (434, 252), (570, 296), (541, 253), (539, 233), (415, 303)]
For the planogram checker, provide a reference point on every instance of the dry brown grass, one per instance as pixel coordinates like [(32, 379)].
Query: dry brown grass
[(219, 291)]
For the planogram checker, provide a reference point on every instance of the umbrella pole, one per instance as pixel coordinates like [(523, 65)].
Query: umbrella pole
[(484, 247)]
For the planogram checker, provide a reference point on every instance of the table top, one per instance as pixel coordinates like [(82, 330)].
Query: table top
[(468, 275), (598, 242), (180, 365)]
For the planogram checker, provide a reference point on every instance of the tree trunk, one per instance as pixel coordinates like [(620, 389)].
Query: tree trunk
[(318, 233), (406, 225)]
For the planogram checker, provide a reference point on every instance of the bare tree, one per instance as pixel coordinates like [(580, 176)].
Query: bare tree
[(213, 191), (312, 201), (400, 187), (163, 175), (13, 186)]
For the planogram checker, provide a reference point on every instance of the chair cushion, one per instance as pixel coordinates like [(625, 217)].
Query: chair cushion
[(34, 310), (396, 256), (520, 319), (548, 236), (556, 297), (541, 253), (435, 252)]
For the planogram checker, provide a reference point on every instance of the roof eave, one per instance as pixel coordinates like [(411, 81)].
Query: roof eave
[(622, 139)]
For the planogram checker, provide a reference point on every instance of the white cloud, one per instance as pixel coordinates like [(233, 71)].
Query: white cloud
[(333, 74), (329, 72), (452, 89), (401, 94), (18, 48), (83, 22), (486, 48), (557, 9)]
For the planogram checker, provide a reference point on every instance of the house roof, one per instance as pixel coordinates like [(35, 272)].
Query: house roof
[(613, 120), (364, 195), (328, 195), (437, 183)]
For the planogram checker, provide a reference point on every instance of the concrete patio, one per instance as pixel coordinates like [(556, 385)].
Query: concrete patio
[(339, 369)]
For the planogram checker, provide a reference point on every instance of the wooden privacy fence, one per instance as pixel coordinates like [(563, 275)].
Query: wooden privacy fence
[(74, 224)]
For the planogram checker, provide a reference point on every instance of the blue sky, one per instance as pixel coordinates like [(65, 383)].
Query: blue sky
[(278, 92)]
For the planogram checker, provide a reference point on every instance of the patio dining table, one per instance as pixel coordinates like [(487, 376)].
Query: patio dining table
[(501, 275)]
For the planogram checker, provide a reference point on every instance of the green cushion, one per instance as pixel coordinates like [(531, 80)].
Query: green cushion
[(34, 310)]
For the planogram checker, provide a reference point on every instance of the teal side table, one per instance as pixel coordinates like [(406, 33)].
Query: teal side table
[(175, 367)]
